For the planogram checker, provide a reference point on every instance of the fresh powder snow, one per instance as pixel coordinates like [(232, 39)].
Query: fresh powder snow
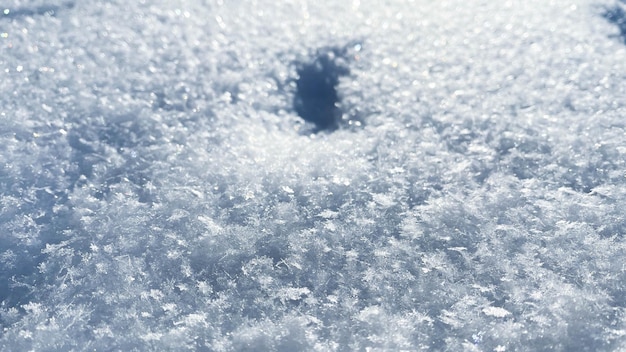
[(406, 175)]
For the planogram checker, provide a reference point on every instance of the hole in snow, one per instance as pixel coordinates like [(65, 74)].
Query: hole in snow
[(316, 98)]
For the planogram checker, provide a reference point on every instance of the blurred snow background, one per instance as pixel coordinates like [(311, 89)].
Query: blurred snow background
[(158, 190)]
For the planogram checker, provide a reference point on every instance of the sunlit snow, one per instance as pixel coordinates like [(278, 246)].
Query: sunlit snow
[(199, 175)]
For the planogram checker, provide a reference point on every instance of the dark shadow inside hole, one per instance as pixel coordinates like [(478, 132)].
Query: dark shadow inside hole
[(316, 98)]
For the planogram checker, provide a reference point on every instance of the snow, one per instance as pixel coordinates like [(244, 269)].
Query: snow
[(496, 312), (161, 190)]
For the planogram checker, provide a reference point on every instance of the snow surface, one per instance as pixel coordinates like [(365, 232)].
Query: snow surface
[(158, 190)]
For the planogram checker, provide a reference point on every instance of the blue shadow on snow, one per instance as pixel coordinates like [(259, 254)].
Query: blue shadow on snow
[(617, 16), (316, 98)]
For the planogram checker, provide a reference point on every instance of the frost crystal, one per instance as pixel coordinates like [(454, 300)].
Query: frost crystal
[(496, 312)]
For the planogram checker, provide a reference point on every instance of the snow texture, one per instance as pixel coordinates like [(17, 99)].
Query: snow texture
[(172, 180)]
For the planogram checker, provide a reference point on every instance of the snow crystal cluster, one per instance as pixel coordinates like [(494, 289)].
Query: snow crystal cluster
[(168, 181)]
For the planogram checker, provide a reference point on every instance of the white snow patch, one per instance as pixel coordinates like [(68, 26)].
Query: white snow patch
[(496, 312)]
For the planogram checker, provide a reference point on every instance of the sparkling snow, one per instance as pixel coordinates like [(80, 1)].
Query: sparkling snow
[(160, 189)]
